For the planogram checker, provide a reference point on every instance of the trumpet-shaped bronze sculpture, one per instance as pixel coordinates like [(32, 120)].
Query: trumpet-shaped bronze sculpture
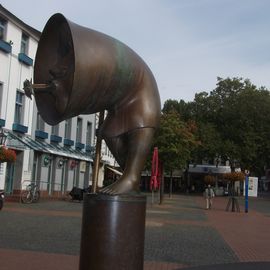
[(82, 71)]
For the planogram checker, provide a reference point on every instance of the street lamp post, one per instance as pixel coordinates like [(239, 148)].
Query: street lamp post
[(246, 190), (97, 155)]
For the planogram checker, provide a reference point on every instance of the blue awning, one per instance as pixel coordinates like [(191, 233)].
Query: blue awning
[(22, 141)]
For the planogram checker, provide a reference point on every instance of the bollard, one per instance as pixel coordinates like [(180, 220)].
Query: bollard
[(246, 193), (113, 229)]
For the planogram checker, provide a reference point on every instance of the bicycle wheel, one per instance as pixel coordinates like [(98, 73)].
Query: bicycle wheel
[(36, 196), (26, 197)]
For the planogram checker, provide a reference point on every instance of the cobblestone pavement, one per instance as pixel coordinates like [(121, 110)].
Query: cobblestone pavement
[(180, 233)]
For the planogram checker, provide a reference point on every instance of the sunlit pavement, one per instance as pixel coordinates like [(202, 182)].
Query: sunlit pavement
[(180, 233)]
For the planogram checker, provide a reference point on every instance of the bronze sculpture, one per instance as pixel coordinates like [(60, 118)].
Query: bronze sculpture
[(81, 71)]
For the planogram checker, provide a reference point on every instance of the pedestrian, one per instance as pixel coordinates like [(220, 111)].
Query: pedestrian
[(209, 195)]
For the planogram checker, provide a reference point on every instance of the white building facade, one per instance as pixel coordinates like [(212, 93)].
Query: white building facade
[(54, 157), (18, 45)]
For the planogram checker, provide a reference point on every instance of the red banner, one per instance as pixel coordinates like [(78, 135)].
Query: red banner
[(155, 177)]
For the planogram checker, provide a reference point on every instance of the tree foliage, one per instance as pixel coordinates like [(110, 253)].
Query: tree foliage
[(7, 155), (234, 176), (232, 123), (175, 140), (209, 179)]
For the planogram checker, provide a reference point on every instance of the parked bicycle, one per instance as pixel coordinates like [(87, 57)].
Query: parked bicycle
[(31, 194)]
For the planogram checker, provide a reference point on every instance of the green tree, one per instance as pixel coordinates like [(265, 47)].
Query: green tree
[(233, 124), (175, 140), (238, 112), (184, 109)]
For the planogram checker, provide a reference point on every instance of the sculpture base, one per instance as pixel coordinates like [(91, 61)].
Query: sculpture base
[(113, 230)]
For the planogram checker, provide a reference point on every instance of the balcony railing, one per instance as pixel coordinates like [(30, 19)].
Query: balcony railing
[(22, 57), (68, 142), (79, 145), (19, 128), (5, 46), (56, 139), (89, 148), (2, 122), (41, 134)]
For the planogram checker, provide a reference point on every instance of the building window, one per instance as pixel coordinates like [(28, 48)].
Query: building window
[(55, 130), (68, 123), (89, 133), (40, 123), (79, 130), (19, 108), (3, 27), (24, 43)]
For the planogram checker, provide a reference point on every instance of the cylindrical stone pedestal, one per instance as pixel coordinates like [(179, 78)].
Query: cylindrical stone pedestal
[(113, 230)]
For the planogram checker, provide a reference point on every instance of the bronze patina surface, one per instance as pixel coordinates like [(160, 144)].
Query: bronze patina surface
[(113, 229), (84, 71)]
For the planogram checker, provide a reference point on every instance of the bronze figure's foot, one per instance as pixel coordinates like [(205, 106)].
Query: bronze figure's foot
[(130, 150), (121, 186)]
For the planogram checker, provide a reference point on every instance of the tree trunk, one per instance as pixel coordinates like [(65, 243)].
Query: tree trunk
[(171, 184), (161, 189)]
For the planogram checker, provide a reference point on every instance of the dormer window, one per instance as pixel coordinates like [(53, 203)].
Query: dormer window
[(40, 125), (55, 130), (79, 130), (3, 27), (24, 43), (19, 107), (68, 124), (89, 133)]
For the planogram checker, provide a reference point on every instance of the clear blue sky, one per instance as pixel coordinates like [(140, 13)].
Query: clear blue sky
[(186, 43)]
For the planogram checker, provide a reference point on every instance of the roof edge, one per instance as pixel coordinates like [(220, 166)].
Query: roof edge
[(11, 16)]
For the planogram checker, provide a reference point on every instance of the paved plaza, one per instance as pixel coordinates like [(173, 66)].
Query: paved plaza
[(180, 234)]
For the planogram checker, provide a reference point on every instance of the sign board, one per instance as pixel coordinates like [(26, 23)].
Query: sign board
[(1, 168), (26, 176), (252, 186), (82, 166), (46, 160), (207, 169)]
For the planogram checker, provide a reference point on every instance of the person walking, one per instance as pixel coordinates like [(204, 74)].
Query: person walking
[(209, 195)]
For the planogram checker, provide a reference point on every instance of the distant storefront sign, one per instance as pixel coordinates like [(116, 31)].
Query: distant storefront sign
[(208, 169), (252, 186)]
